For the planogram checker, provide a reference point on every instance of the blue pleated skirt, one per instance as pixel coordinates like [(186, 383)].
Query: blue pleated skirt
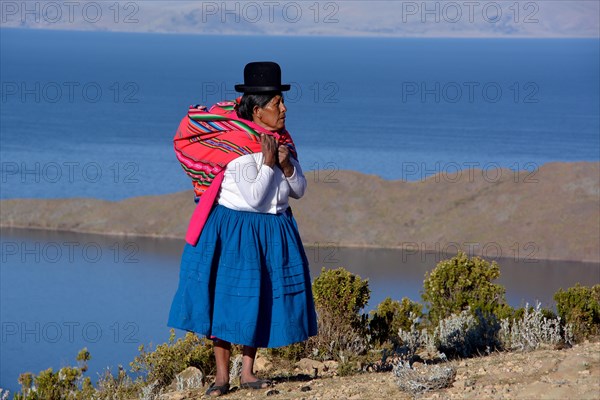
[(246, 281)]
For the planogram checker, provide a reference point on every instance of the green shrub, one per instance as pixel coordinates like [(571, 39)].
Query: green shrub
[(293, 352), (391, 316), (519, 313), (580, 306), (346, 368), (119, 387), (462, 282), (342, 293), (169, 359), (339, 297), (62, 385), (158, 369)]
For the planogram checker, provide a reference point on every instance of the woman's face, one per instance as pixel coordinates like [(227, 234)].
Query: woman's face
[(272, 115)]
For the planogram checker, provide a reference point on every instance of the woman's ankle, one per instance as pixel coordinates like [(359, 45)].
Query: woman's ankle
[(245, 378), (222, 352), (221, 379)]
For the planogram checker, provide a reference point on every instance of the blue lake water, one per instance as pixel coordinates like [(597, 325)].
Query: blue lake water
[(60, 292), (93, 114)]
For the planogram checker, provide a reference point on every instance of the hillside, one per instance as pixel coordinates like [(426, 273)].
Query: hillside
[(552, 213)]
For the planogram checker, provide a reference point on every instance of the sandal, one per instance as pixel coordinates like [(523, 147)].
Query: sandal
[(223, 389), (258, 384)]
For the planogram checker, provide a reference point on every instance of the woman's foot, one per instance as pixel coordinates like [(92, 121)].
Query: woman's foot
[(247, 378), (252, 382), (217, 389)]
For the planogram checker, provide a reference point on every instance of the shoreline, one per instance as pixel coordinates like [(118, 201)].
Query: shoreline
[(554, 217), (306, 245)]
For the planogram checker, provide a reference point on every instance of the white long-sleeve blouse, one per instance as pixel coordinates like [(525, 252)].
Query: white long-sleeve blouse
[(250, 185)]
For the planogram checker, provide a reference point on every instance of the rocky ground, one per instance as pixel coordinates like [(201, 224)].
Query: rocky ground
[(571, 373)]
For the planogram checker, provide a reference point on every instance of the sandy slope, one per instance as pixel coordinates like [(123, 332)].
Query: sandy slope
[(552, 213)]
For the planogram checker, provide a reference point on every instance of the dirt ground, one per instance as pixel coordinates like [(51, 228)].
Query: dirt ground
[(571, 373)]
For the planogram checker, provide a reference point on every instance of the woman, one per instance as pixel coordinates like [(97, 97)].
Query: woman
[(244, 275)]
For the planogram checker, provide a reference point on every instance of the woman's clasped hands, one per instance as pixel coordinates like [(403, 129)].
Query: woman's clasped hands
[(274, 154)]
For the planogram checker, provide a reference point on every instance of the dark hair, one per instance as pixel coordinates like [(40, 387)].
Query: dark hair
[(248, 102)]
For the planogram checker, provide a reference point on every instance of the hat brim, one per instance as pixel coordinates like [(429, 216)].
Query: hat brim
[(260, 89)]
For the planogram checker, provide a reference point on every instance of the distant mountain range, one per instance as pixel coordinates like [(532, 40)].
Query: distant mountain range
[(473, 19)]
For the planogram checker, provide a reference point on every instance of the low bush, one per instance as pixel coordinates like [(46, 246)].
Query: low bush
[(168, 359), (462, 282), (342, 293), (425, 379), (533, 328), (465, 335), (66, 384), (339, 298), (580, 307), (459, 335), (391, 316), (119, 387), (519, 313), (290, 354), (412, 340), (346, 368)]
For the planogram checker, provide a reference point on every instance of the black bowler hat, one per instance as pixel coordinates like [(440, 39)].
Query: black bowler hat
[(262, 76)]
